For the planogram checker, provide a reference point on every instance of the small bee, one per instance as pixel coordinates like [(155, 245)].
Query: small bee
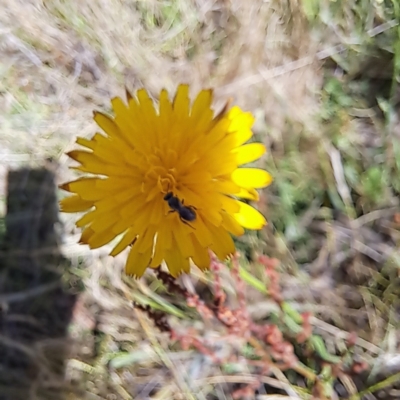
[(186, 213)]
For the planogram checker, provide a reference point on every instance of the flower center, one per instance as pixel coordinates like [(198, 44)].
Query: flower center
[(161, 175), (167, 182)]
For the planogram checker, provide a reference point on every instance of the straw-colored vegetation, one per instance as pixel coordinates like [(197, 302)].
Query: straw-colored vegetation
[(321, 78)]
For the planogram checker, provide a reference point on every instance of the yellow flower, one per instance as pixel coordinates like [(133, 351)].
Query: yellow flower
[(168, 180)]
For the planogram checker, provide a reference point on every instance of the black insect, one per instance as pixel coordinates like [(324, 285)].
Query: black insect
[(186, 213)]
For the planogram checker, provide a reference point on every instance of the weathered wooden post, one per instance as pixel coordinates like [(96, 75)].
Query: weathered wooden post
[(35, 309)]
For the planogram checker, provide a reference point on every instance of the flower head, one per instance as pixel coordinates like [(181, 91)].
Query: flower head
[(168, 180)]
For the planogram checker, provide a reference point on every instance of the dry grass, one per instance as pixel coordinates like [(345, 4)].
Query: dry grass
[(62, 59)]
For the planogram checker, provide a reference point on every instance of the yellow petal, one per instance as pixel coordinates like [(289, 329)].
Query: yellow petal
[(231, 225), (225, 185), (107, 150), (79, 155), (251, 177), (240, 119), (158, 256), (107, 124), (137, 262), (166, 109), (223, 245), (228, 204), (87, 189), (201, 256), (146, 104), (249, 193), (87, 218), (94, 165), (99, 239), (82, 184), (249, 217), (86, 235), (242, 136), (211, 215), (201, 113), (146, 239), (128, 238), (131, 124), (181, 101), (176, 263), (249, 152), (114, 203), (182, 238), (122, 186), (74, 204), (104, 222), (241, 123), (163, 242), (90, 144)]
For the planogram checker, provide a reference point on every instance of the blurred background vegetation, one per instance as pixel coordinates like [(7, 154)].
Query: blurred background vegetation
[(321, 77)]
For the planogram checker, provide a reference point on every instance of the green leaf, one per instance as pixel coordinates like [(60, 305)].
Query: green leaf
[(158, 303), (252, 280), (125, 359), (318, 345)]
